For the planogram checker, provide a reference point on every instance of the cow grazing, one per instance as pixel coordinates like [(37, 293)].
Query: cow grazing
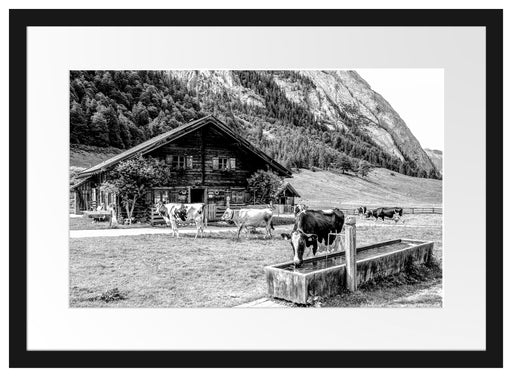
[(250, 217), (196, 212), (394, 213), (311, 227), (170, 212)]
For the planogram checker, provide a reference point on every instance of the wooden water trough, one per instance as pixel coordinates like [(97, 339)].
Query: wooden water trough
[(327, 275)]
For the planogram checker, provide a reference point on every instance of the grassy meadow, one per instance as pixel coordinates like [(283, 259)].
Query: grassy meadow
[(220, 271), (382, 187)]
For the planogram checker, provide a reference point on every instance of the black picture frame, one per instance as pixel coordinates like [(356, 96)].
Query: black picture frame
[(19, 20)]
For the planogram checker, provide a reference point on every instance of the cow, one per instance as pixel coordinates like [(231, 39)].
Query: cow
[(362, 211), (299, 208), (170, 212), (394, 213), (250, 217), (312, 227), (195, 212)]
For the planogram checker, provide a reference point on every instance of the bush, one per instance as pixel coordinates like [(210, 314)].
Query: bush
[(112, 295), (264, 186)]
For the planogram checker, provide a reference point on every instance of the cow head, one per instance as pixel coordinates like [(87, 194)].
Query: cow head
[(299, 241), (160, 208), (162, 211), (228, 215), (299, 208)]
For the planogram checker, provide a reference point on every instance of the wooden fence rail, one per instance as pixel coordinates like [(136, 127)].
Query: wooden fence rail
[(406, 210), (214, 212)]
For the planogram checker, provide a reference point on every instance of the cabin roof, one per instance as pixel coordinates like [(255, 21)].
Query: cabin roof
[(287, 187), (157, 141), (78, 183)]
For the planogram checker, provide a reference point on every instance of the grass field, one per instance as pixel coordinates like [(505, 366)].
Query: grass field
[(160, 271), (85, 156), (323, 189)]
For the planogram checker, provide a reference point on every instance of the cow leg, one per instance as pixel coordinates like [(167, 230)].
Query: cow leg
[(174, 227), (201, 228), (239, 230)]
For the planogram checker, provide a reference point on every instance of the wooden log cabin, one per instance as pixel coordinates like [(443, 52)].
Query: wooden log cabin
[(208, 162)]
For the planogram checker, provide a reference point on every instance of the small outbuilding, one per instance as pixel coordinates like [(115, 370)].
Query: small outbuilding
[(286, 195)]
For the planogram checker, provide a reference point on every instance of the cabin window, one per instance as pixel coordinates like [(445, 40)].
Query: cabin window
[(190, 162), (224, 163), (160, 196), (237, 197), (179, 162)]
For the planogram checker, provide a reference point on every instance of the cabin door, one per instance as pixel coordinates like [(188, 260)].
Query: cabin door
[(197, 196)]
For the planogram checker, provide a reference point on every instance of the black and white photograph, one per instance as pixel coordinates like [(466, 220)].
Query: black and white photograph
[(256, 189)]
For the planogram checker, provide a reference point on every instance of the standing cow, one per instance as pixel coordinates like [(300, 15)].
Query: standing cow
[(196, 212), (311, 227), (250, 217), (171, 212), (394, 213)]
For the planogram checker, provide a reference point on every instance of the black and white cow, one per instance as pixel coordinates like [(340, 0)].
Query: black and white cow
[(195, 212), (312, 227), (171, 212), (394, 213), (299, 208), (362, 211)]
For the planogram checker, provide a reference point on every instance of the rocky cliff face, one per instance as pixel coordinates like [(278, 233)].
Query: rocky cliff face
[(337, 99), (436, 156)]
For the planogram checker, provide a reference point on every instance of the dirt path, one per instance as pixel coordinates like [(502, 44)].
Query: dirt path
[(210, 231)]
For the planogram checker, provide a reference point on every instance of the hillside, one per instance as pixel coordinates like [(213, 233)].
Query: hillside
[(436, 156), (300, 118), (323, 189), (85, 156)]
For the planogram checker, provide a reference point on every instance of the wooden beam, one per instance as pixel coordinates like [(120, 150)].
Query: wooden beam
[(350, 253), (203, 158)]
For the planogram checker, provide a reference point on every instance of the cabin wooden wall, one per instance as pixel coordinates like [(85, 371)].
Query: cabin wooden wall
[(203, 145)]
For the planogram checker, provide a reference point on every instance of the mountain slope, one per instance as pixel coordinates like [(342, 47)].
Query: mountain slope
[(337, 99), (436, 156), (303, 119)]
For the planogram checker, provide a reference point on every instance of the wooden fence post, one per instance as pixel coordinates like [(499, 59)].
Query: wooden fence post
[(75, 202), (350, 253)]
